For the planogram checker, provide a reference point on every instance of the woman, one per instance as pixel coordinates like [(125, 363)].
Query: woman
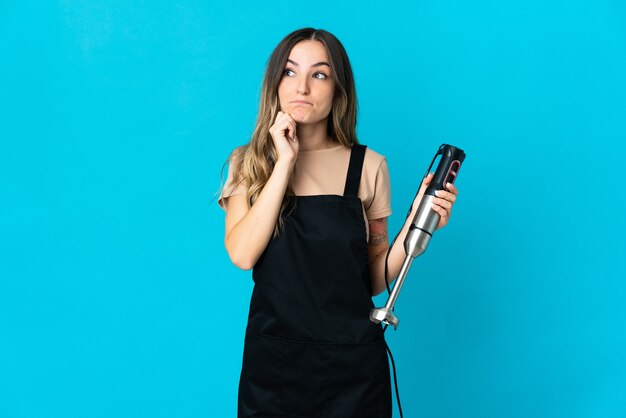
[(306, 209)]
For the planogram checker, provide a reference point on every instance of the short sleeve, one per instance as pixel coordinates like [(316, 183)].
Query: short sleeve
[(231, 187), (380, 206)]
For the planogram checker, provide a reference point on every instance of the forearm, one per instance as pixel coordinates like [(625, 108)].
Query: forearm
[(396, 258), (250, 236)]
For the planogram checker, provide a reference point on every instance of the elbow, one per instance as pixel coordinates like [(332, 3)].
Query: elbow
[(240, 258), (243, 264), (379, 285), (377, 291)]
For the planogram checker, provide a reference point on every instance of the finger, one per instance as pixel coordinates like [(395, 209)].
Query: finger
[(292, 129), (443, 215), (283, 125), (443, 211), (282, 122), (452, 188), (426, 181), (279, 121), (289, 117), (446, 195), (285, 118), (291, 133), (443, 203), (285, 129)]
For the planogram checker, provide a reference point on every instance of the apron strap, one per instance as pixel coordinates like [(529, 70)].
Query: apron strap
[(357, 155)]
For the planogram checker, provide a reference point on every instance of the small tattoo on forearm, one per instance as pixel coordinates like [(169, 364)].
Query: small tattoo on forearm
[(378, 239)]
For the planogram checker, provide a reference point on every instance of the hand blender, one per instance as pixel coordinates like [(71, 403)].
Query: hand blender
[(422, 227)]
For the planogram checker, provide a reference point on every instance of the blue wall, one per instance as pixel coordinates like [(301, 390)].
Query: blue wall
[(117, 298)]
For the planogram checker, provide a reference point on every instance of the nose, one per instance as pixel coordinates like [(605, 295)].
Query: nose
[(303, 86)]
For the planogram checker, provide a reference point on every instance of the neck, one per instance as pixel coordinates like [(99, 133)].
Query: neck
[(314, 137)]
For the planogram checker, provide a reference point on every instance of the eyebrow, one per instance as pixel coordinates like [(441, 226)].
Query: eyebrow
[(317, 64)]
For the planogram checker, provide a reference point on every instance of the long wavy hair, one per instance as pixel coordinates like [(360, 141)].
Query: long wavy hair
[(254, 162)]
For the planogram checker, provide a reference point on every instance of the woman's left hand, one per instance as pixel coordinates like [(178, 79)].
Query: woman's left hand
[(442, 204)]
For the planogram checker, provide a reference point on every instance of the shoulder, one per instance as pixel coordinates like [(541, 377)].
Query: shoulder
[(375, 187), (235, 183), (373, 155), (235, 162), (373, 161), (375, 172)]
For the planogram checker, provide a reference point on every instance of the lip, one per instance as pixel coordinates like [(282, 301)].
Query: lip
[(300, 102)]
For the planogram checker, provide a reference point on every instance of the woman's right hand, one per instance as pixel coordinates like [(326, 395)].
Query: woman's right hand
[(283, 133)]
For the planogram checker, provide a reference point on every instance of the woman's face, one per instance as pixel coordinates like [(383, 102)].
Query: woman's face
[(307, 86)]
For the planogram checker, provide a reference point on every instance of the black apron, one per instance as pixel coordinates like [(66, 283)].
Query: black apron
[(310, 348)]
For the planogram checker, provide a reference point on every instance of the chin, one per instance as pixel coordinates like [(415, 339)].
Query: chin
[(300, 117), (307, 119)]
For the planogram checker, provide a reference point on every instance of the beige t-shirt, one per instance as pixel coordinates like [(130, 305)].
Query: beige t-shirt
[(324, 171)]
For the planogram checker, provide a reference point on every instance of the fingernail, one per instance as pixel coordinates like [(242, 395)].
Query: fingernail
[(448, 184)]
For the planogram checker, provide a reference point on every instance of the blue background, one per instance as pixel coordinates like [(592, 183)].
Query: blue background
[(117, 297)]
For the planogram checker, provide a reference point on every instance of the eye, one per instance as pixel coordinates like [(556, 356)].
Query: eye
[(287, 71), (320, 76)]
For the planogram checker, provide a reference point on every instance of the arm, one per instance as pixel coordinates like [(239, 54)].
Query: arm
[(377, 248), (249, 229)]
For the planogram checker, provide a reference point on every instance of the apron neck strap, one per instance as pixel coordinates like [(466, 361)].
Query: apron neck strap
[(357, 155)]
